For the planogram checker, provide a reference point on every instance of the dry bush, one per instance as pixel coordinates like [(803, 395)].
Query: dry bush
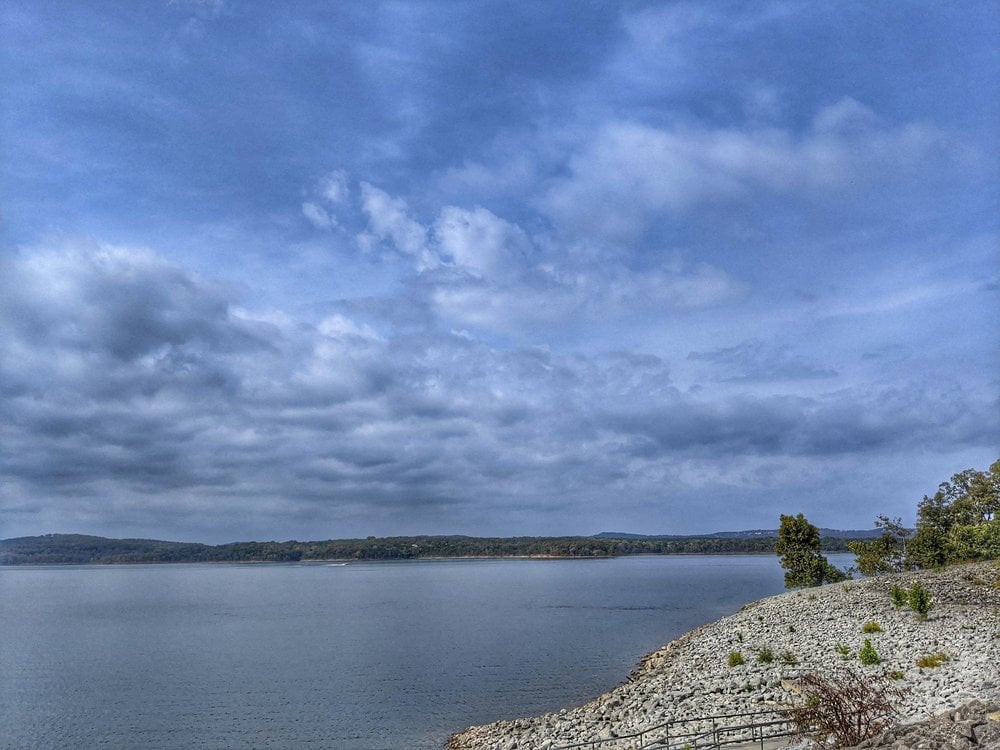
[(844, 709)]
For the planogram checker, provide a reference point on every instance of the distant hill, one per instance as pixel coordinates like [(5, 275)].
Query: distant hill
[(72, 549), (747, 534)]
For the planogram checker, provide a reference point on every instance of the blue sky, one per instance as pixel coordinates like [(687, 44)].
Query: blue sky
[(310, 269)]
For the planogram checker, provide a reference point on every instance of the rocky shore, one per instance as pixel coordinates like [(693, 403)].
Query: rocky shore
[(819, 630)]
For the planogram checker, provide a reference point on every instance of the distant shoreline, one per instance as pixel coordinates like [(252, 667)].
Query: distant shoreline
[(80, 549), (355, 561)]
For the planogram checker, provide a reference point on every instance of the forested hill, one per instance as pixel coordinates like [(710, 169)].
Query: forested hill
[(81, 549)]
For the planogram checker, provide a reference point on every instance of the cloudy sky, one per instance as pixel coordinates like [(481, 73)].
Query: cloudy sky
[(328, 269)]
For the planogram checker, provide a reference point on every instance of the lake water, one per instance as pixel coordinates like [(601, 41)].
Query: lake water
[(365, 656)]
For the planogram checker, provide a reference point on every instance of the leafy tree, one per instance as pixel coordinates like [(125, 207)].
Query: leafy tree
[(799, 548), (929, 546), (885, 554), (978, 541), (960, 521)]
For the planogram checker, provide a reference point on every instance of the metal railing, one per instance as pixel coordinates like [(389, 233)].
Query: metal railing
[(699, 733)]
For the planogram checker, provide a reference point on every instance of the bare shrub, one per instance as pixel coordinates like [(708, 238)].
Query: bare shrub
[(844, 709)]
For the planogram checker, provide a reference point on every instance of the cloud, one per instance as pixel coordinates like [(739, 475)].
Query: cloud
[(330, 194), (118, 302), (132, 387), (477, 269), (481, 242), (754, 361), (740, 201), (629, 174), (390, 223), (846, 421), (318, 216)]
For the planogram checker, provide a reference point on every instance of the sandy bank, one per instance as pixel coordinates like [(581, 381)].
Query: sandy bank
[(691, 677)]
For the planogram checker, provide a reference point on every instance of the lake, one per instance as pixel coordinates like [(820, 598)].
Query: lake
[(365, 656)]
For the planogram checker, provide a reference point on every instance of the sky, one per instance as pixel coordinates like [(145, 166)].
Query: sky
[(321, 270)]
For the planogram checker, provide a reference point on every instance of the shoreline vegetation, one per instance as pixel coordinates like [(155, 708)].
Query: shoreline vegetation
[(80, 549)]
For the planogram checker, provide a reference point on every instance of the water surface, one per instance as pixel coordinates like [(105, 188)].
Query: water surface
[(363, 656)]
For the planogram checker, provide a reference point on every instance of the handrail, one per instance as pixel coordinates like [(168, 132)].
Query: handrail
[(702, 739)]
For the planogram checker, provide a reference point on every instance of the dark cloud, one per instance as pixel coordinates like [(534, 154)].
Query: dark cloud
[(167, 393)]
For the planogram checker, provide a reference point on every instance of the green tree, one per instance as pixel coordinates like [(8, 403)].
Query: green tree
[(960, 521), (978, 541), (885, 554), (799, 548)]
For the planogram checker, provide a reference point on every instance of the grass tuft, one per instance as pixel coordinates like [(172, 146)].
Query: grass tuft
[(929, 661)]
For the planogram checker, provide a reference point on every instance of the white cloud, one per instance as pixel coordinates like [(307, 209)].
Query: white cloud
[(481, 241), (318, 216), (389, 222), (341, 327), (628, 174), (477, 269)]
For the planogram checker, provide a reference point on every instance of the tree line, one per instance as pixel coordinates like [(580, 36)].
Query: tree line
[(82, 549), (960, 522)]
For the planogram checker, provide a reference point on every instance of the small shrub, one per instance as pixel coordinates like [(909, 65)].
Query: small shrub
[(899, 596), (791, 628), (844, 651), (848, 588), (735, 659), (788, 658), (929, 661), (868, 655), (871, 627), (896, 675), (765, 656), (846, 709), (811, 597), (920, 600)]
